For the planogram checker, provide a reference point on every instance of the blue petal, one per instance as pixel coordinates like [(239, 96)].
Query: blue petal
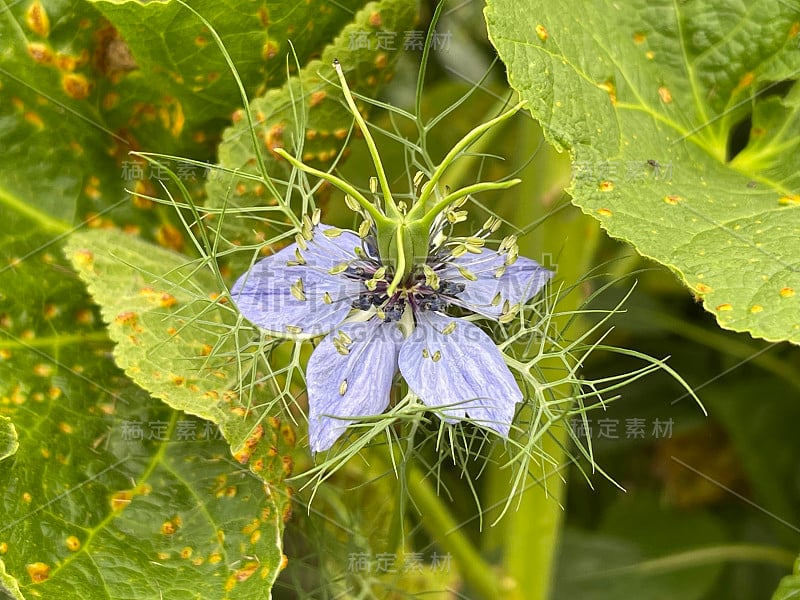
[(462, 368), (488, 294), (319, 302), (350, 381)]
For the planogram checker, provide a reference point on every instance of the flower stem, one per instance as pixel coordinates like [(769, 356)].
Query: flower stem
[(465, 191), (348, 189), (391, 208), (442, 527), (462, 145)]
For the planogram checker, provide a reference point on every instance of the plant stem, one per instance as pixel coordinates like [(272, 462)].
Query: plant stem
[(442, 527), (529, 535)]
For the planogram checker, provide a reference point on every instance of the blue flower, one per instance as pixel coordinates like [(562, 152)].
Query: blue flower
[(331, 281)]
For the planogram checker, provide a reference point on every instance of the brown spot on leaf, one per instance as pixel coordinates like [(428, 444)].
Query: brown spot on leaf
[(375, 19), (112, 56), (263, 15), (110, 100)]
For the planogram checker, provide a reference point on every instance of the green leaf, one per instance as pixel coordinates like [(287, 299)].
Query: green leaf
[(111, 493), (178, 338), (789, 586), (181, 77), (8, 438), (318, 119), (650, 99)]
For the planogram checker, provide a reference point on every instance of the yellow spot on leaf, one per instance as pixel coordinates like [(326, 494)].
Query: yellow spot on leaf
[(650, 55), (604, 212), (609, 88), (121, 499), (38, 572), (168, 528), (746, 80), (186, 552), (317, 97), (127, 318), (65, 428), (786, 200), (665, 95), (170, 236), (73, 543), (38, 21), (787, 292), (639, 38), (724, 307), (672, 199), (83, 258), (702, 288), (43, 370), (606, 186), (269, 50), (756, 308), (171, 114), (40, 53), (3, 547), (375, 19), (381, 60), (75, 85), (27, 498), (541, 32)]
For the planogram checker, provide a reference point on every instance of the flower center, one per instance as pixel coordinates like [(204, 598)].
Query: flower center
[(421, 290)]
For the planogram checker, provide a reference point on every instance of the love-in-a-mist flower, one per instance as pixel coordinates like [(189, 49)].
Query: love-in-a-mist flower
[(384, 297)]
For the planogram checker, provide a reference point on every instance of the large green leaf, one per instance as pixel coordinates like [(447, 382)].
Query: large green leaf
[(177, 338), (84, 83), (111, 493), (650, 99)]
